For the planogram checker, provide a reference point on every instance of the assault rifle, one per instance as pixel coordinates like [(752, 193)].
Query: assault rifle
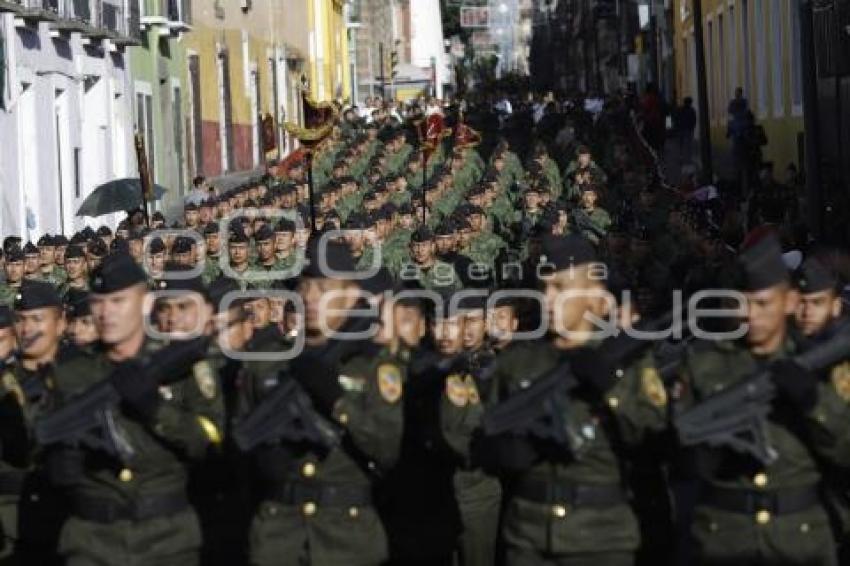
[(736, 417), (88, 419)]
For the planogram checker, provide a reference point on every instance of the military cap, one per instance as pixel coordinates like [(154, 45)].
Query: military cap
[(287, 188), (157, 246), (337, 257), (97, 248), (211, 228), (190, 206), (370, 195), (35, 294), (30, 249), (158, 216), (88, 233), (182, 245), (405, 209), (6, 318), (813, 277), (382, 214), (119, 245), (10, 242), (45, 241), (445, 228), (14, 255), (475, 191), (77, 303), (531, 188), (237, 236), (356, 222), (74, 251), (422, 234), (264, 233), (189, 284), (60, 240), (104, 231), (78, 239), (285, 225), (473, 209), (115, 273), (208, 203), (564, 252), (761, 266), (219, 288)]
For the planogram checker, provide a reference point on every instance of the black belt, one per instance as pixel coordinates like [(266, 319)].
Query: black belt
[(777, 502), (298, 493), (574, 495), (147, 507), (12, 482)]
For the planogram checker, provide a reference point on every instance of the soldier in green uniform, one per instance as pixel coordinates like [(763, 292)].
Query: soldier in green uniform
[(289, 256), (565, 503), (212, 260), (590, 219), (820, 305), (484, 246), (14, 270), (425, 269), (317, 505), (262, 271), (30, 514), (752, 511), (32, 261), (81, 330), (238, 255), (48, 270), (133, 509)]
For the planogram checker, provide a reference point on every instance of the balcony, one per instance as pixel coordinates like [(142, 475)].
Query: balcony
[(172, 16), (74, 15), (36, 10)]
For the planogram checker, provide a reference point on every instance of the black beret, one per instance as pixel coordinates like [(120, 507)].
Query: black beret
[(10, 242), (77, 303), (405, 209), (238, 236), (117, 272), (337, 257), (30, 249), (158, 216), (60, 240), (78, 238), (761, 266), (356, 222), (446, 228), (45, 240), (211, 228), (98, 248), (104, 231), (190, 206), (6, 319), (813, 277), (285, 225), (564, 252), (189, 284), (119, 246), (422, 234), (35, 294), (264, 233), (182, 245), (157, 246), (14, 255)]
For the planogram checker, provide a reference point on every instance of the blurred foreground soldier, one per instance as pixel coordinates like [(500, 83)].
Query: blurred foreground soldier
[(317, 502), (30, 513), (751, 511), (81, 330), (14, 269), (566, 504), (131, 507), (8, 340), (820, 298)]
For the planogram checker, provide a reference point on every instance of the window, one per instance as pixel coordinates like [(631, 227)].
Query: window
[(225, 125), (777, 64), (144, 126), (759, 31), (796, 63), (195, 113)]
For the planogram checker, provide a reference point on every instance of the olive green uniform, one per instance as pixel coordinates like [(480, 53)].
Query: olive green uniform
[(765, 535), (109, 524), (299, 521), (570, 509)]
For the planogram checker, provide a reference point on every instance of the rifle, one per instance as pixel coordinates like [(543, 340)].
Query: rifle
[(585, 224), (88, 419), (287, 413), (736, 417)]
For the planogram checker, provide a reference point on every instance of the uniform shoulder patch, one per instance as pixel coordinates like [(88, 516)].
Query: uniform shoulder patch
[(472, 390), (456, 390), (653, 387), (12, 387), (389, 382), (840, 376), (205, 379)]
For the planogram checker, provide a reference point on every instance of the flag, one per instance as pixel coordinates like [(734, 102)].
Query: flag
[(466, 136), (319, 119), (431, 132)]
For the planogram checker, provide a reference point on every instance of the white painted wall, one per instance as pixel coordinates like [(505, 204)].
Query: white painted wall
[(426, 39), (98, 122)]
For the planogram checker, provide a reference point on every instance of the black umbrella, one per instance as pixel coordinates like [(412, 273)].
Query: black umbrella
[(115, 196)]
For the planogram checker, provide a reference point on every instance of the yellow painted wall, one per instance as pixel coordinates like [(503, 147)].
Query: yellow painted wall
[(782, 128), (333, 70)]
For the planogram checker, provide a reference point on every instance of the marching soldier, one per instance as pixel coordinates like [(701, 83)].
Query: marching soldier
[(14, 269), (317, 503), (133, 509), (751, 511), (820, 305)]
